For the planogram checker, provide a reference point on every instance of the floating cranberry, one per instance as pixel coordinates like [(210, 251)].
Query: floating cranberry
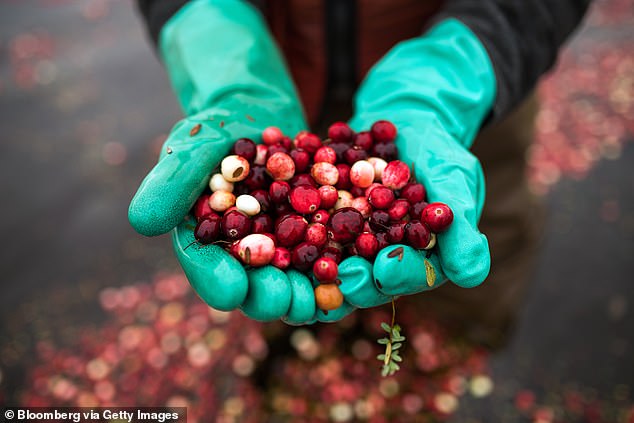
[(354, 154), (321, 216), (345, 224), (340, 132), (398, 210), (235, 225), (395, 175), (202, 208), (305, 199), (325, 270), (316, 234), (438, 216), (328, 195), (381, 198), (379, 220), (367, 245), (244, 147), (262, 223), (325, 154), (387, 151), (324, 173), (383, 131), (328, 297), (234, 168), (208, 229), (281, 258), (304, 255), (291, 230), (417, 234), (307, 141), (257, 179), (272, 135), (364, 140), (279, 191), (301, 158), (396, 232), (256, 250), (413, 192), (221, 200), (344, 176), (303, 179), (281, 166)]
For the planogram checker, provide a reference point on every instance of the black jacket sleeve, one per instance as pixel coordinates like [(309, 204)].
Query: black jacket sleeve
[(522, 38)]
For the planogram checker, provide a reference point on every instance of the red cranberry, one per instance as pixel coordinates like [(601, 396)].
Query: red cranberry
[(307, 141), (367, 245), (272, 135), (396, 232), (281, 258), (328, 195), (438, 216), (202, 208), (263, 198), (257, 179), (244, 147), (301, 159), (413, 192), (340, 132), (386, 150), (278, 191), (321, 216), (261, 223), (395, 175), (333, 253), (235, 225), (379, 220), (339, 148), (291, 230), (381, 237), (369, 189), (356, 191), (277, 148), (282, 209), (399, 209), (272, 236), (280, 166), (208, 229), (325, 154), (345, 224), (354, 154), (233, 249), (256, 250), (305, 199), (304, 255), (383, 131), (381, 198), (324, 173), (416, 209), (303, 179), (317, 234), (343, 182), (367, 227), (364, 140), (325, 270), (417, 234), (287, 143), (362, 204)]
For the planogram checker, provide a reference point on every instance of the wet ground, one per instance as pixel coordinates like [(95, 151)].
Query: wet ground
[(85, 105)]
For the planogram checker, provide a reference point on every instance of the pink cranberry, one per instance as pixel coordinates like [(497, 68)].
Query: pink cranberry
[(263, 198), (305, 199), (324, 173), (317, 234), (221, 200), (367, 245), (438, 216), (321, 216), (303, 179), (354, 154), (202, 208), (304, 255), (381, 198), (272, 135), (261, 153), (364, 140), (257, 179), (328, 195), (235, 225), (413, 192), (278, 191), (301, 158), (307, 141), (379, 220), (208, 229), (396, 232), (256, 250), (244, 147), (277, 148), (362, 204), (381, 237), (280, 166), (416, 210), (340, 132), (345, 224), (395, 175), (325, 270), (386, 150), (325, 154), (383, 131), (291, 230), (362, 174), (281, 258), (261, 223), (399, 209), (344, 176), (417, 234)]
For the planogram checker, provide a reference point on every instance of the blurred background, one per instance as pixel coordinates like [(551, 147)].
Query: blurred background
[(93, 314)]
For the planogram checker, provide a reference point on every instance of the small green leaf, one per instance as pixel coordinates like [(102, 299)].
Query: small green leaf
[(380, 357), (396, 346), (396, 357), (385, 371), (383, 341), (386, 327)]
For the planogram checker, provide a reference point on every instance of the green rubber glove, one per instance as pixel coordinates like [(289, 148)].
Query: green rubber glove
[(437, 89), (231, 82)]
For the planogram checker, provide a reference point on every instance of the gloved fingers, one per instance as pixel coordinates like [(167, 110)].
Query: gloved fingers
[(302, 309), (269, 296), (217, 277), (402, 270), (357, 283)]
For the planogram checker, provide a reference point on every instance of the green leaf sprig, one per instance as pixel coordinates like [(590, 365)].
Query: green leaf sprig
[(393, 342)]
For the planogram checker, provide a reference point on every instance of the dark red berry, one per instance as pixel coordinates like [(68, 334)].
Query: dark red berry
[(304, 255), (276, 148), (261, 223), (364, 140), (303, 179), (329, 196), (386, 150), (301, 158), (325, 270), (345, 224), (257, 179), (305, 199), (344, 177), (307, 141), (357, 191), (208, 229), (202, 208), (279, 191), (379, 220), (263, 198), (416, 210), (282, 209), (417, 234), (340, 132), (287, 143), (235, 225), (354, 154), (381, 237), (438, 216), (398, 210), (413, 192), (291, 230), (339, 148), (367, 245), (351, 250), (244, 147), (396, 232), (381, 198), (383, 131), (334, 253)]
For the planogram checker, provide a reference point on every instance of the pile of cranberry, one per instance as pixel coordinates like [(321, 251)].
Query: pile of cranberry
[(309, 203)]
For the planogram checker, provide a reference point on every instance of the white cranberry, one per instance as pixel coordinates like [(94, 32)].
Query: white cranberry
[(221, 200), (219, 183), (395, 175), (280, 166), (324, 173), (248, 204), (256, 250), (362, 174), (344, 199), (261, 151), (432, 242), (379, 166), (234, 168)]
